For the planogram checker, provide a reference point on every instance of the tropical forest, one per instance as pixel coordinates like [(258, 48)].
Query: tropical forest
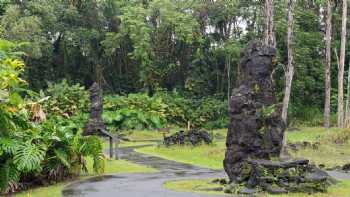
[(174, 98)]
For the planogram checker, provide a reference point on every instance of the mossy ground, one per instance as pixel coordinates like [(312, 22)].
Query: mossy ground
[(332, 151), (211, 156), (342, 189)]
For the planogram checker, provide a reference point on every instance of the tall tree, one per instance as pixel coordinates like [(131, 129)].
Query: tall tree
[(289, 71), (341, 67), (328, 40), (269, 37)]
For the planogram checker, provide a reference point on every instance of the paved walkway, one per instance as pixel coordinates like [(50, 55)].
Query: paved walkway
[(150, 184), (141, 184)]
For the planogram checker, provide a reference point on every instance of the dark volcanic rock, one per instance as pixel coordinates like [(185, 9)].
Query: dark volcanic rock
[(346, 167), (96, 126), (194, 137), (256, 129), (254, 138)]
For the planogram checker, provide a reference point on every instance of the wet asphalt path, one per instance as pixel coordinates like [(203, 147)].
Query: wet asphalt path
[(141, 184)]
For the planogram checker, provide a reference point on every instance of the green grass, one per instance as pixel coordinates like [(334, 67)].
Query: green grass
[(204, 156), (212, 156), (331, 155), (120, 166), (112, 167), (328, 152), (51, 191), (342, 189), (311, 134)]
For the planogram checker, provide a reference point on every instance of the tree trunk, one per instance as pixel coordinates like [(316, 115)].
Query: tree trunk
[(270, 38), (328, 39), (341, 68), (228, 77), (289, 73), (347, 111)]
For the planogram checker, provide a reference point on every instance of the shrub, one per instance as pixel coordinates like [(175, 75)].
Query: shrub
[(33, 153), (135, 111), (206, 112), (139, 111), (65, 100), (306, 116)]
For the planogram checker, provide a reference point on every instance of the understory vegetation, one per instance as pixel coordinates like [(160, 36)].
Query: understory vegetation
[(38, 148), (164, 109)]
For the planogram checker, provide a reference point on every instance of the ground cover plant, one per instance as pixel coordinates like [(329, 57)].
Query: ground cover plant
[(342, 189)]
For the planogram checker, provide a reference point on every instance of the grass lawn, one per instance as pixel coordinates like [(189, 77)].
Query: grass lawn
[(342, 189), (207, 156), (204, 156), (312, 134), (112, 167), (328, 153)]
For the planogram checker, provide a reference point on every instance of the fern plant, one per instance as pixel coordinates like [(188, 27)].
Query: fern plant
[(52, 150)]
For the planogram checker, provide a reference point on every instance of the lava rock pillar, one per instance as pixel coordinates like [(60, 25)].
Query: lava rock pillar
[(255, 129)]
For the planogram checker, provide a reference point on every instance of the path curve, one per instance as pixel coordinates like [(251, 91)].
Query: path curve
[(141, 184), (149, 184)]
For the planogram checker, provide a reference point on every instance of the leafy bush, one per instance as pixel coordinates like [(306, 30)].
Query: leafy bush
[(135, 111), (65, 100), (307, 116), (204, 112), (34, 153), (212, 113), (139, 111)]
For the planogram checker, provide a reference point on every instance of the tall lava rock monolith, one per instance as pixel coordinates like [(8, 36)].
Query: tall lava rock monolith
[(256, 129), (254, 139)]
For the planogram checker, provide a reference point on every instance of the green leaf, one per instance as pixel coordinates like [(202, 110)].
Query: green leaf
[(28, 157), (63, 157)]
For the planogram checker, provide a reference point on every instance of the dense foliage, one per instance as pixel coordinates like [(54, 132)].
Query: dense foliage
[(65, 100), (139, 111), (36, 153), (190, 46)]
